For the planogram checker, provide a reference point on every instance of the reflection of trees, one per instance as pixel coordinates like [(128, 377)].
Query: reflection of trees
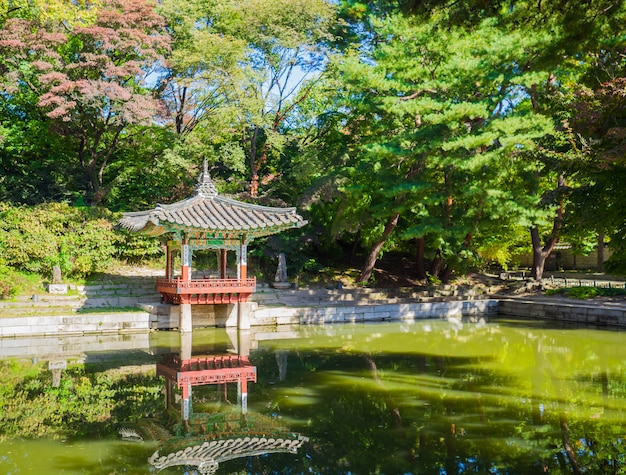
[(499, 400), (494, 400), (389, 402), (85, 402)]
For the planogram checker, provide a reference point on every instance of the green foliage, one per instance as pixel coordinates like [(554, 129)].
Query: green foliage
[(28, 237), (438, 143), (84, 403), (586, 292), (616, 264), (8, 287), (265, 255), (235, 76), (134, 248), (79, 240), (459, 116)]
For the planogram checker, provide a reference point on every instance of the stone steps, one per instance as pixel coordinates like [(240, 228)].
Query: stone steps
[(105, 295), (132, 293), (333, 297)]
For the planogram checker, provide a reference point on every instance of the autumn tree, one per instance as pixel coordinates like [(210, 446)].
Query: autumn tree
[(599, 203), (571, 158), (88, 79)]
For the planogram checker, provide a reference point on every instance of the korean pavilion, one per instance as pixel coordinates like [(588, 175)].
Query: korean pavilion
[(207, 220)]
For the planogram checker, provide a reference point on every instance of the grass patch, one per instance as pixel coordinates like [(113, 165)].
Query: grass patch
[(14, 283), (108, 310), (328, 277), (586, 292)]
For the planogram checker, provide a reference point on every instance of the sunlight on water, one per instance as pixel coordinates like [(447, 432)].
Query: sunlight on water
[(430, 397)]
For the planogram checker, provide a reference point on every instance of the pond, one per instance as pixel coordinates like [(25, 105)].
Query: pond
[(428, 397)]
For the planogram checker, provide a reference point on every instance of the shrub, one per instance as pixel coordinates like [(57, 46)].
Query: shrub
[(586, 292), (27, 241), (134, 248), (582, 292), (34, 239), (8, 288), (80, 240)]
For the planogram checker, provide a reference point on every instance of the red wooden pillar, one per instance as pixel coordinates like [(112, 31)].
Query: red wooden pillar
[(186, 402), (186, 261), (223, 263), (243, 261), (243, 391), (168, 261)]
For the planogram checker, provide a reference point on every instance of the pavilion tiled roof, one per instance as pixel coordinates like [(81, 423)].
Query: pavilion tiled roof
[(210, 214), (207, 455)]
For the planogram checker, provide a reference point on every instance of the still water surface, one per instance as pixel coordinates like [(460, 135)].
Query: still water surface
[(430, 397)]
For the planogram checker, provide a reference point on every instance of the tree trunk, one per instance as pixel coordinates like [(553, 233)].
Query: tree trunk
[(421, 267), (180, 110), (370, 261), (389, 401), (541, 253), (600, 263), (569, 450), (252, 151), (436, 265), (446, 275)]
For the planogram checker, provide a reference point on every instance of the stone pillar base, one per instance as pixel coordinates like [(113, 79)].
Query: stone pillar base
[(185, 323), (57, 288), (237, 315), (226, 314), (244, 316)]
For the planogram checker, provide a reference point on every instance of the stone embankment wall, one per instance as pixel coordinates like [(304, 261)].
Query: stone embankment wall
[(269, 308), (564, 311), (372, 312), (92, 348), (75, 324), (314, 307)]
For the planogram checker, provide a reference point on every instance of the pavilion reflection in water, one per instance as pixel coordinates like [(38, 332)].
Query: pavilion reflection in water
[(203, 440)]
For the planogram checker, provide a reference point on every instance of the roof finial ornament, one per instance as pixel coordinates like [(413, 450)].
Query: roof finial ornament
[(205, 186)]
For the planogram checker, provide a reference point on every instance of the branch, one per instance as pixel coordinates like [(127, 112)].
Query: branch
[(282, 115), (416, 94)]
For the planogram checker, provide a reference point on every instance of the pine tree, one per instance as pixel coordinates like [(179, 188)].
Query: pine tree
[(443, 117)]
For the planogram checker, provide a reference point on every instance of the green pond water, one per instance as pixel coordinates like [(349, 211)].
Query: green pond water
[(430, 397)]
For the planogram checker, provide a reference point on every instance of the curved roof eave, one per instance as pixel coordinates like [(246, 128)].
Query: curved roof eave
[(208, 213)]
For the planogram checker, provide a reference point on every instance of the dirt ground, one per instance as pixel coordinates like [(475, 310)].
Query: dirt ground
[(398, 272)]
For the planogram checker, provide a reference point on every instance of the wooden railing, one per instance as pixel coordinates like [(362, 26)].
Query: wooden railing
[(178, 285)]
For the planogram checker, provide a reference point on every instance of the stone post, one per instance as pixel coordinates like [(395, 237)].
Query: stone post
[(186, 345), (280, 280), (57, 287), (240, 340), (226, 314), (56, 275)]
